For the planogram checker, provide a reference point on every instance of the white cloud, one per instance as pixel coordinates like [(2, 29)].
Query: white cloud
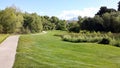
[(68, 14)]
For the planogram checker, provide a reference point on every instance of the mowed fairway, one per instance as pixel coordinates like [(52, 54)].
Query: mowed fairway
[(49, 51)]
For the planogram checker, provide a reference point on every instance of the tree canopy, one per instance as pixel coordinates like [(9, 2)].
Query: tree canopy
[(12, 20)]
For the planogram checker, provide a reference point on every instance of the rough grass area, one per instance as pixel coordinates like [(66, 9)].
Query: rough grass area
[(92, 37), (49, 51), (3, 37)]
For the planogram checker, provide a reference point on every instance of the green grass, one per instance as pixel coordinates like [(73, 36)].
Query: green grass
[(3, 37), (49, 51)]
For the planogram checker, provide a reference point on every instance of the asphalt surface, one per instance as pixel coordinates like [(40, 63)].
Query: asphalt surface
[(8, 51)]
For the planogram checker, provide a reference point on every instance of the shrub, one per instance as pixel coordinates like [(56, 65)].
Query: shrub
[(105, 41), (66, 38), (117, 44), (75, 29), (91, 37), (80, 38)]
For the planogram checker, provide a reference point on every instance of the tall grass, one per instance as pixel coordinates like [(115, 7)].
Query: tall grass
[(73, 37), (92, 37), (3, 37)]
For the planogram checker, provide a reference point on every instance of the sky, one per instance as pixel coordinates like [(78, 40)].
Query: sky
[(64, 9)]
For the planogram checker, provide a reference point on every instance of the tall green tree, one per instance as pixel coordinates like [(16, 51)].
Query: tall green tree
[(104, 9), (80, 19), (11, 20), (107, 21), (61, 25), (8, 20), (98, 23), (73, 27), (32, 23), (19, 22), (47, 24), (115, 22), (55, 20), (93, 24), (1, 28), (119, 6)]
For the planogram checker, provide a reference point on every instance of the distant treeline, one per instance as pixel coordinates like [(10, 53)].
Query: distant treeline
[(105, 20), (12, 20)]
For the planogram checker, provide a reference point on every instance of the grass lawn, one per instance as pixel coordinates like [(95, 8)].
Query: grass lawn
[(3, 37), (48, 51)]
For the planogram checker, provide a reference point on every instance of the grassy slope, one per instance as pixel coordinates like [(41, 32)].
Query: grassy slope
[(3, 37), (48, 51)]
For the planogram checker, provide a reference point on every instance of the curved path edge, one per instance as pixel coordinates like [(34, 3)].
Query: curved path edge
[(8, 51)]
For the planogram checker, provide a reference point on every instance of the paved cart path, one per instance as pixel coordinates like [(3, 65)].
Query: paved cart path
[(7, 51)]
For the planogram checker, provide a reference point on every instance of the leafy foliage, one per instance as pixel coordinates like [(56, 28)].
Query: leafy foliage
[(14, 21), (119, 6), (84, 37), (105, 23), (73, 27), (104, 9), (105, 41), (32, 23)]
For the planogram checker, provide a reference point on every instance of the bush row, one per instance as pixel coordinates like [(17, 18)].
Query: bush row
[(85, 38), (91, 37)]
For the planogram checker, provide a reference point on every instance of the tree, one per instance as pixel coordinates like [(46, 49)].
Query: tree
[(104, 9), (87, 24), (119, 6), (1, 28), (11, 20), (32, 23), (115, 22), (36, 24), (61, 25), (98, 23), (47, 24), (19, 22), (80, 19), (93, 24), (107, 21), (8, 20), (73, 27), (55, 20)]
